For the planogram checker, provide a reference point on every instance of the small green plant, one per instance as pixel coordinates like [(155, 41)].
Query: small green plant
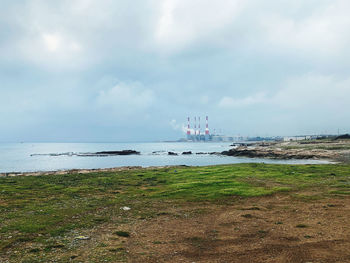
[(308, 236), (34, 250)]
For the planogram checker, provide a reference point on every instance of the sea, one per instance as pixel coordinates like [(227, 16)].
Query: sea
[(33, 157)]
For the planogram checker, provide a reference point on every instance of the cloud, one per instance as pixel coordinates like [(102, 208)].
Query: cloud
[(177, 126), (249, 65), (230, 102), (55, 42), (181, 23), (315, 93), (323, 31), (126, 98), (52, 41)]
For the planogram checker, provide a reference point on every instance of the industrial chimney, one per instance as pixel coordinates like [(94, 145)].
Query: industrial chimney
[(188, 129), (207, 135)]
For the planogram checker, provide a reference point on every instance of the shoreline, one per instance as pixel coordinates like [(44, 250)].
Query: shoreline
[(319, 152), (129, 168), (333, 150)]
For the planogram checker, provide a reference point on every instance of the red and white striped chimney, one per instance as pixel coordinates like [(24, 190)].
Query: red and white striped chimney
[(199, 125), (195, 126), (188, 126), (206, 126)]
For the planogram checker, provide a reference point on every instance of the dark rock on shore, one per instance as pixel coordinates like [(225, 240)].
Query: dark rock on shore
[(189, 152), (172, 153), (237, 144), (123, 152)]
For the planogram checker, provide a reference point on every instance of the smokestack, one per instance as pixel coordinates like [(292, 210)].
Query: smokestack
[(188, 126), (199, 125), (195, 125), (206, 126)]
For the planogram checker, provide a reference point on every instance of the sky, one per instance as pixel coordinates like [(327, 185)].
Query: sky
[(120, 70)]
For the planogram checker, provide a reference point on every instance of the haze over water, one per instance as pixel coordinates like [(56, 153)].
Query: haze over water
[(16, 157)]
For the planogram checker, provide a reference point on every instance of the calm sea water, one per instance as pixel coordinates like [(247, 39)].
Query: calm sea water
[(16, 157)]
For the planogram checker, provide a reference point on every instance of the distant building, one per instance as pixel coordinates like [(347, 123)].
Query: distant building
[(297, 138)]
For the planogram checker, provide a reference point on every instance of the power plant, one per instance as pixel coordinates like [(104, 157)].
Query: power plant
[(196, 134)]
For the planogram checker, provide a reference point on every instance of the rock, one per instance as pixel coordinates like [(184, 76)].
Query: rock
[(123, 152), (82, 237), (189, 152), (172, 153), (264, 152), (125, 208)]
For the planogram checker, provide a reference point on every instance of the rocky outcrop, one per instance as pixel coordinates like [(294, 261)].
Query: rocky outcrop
[(172, 153), (89, 154), (189, 152), (123, 152), (263, 152)]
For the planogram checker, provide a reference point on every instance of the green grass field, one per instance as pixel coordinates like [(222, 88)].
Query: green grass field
[(41, 209)]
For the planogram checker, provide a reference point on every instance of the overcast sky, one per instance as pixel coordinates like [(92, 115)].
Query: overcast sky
[(115, 70)]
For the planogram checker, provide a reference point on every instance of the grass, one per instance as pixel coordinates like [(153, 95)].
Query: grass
[(39, 209)]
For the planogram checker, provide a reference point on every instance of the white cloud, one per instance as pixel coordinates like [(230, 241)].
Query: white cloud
[(183, 22), (126, 98), (52, 41), (230, 102), (176, 126), (204, 99), (56, 42), (324, 31), (314, 92)]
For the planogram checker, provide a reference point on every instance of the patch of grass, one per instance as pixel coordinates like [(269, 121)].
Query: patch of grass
[(308, 236), (34, 250), (340, 192)]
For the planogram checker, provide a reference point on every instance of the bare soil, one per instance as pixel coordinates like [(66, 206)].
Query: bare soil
[(279, 228)]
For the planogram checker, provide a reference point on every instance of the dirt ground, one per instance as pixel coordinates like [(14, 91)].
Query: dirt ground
[(279, 228)]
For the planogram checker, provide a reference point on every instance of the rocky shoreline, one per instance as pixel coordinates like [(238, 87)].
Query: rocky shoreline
[(332, 149), (262, 152)]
